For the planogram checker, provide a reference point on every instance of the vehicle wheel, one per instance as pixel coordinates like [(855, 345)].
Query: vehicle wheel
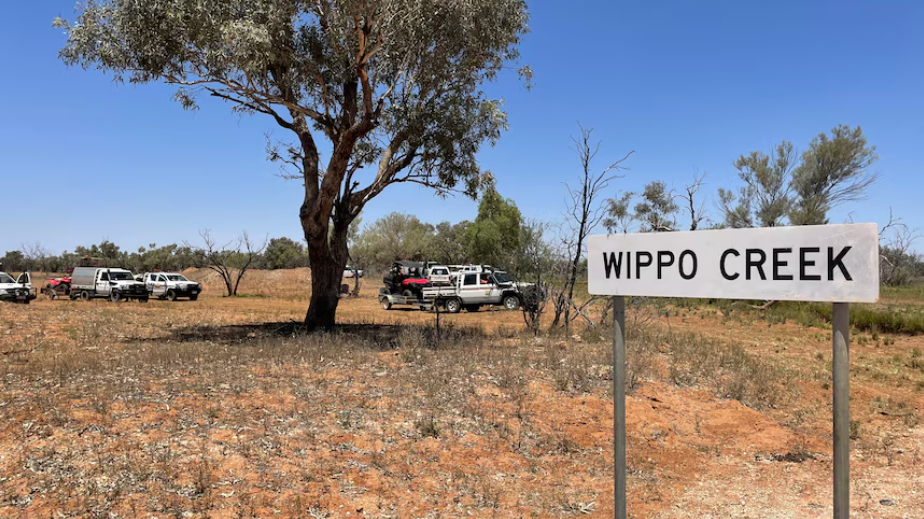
[(27, 301), (50, 293), (85, 296), (171, 295), (386, 305), (453, 306), (115, 297), (142, 300), (511, 302), (193, 298), (472, 308), (408, 292)]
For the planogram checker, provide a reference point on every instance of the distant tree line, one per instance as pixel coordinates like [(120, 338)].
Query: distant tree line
[(278, 253)]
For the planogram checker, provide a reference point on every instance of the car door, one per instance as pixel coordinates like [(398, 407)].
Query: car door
[(25, 279), (103, 287), (159, 285), (494, 294), (488, 287), (470, 289)]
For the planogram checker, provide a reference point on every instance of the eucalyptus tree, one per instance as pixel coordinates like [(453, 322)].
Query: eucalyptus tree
[(765, 200), (835, 169), (657, 210), (394, 87)]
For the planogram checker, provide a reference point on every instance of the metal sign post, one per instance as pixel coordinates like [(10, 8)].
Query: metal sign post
[(619, 404), (833, 263), (841, 367)]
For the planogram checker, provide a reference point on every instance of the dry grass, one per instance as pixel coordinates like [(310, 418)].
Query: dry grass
[(203, 410)]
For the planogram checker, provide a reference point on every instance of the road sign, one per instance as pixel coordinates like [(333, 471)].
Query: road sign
[(836, 263), (805, 263)]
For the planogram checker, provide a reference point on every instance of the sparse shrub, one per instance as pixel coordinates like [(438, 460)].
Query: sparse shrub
[(917, 361), (854, 429), (427, 426), (734, 372), (875, 319)]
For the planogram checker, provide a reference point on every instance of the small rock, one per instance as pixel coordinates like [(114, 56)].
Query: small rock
[(886, 502)]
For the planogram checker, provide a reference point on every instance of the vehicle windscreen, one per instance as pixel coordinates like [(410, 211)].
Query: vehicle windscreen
[(440, 272), (121, 276), (503, 277), (5, 278), (177, 277)]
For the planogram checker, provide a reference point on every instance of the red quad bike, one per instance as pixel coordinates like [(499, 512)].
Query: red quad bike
[(406, 278), (58, 287)]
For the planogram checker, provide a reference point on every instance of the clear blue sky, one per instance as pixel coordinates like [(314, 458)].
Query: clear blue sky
[(688, 85)]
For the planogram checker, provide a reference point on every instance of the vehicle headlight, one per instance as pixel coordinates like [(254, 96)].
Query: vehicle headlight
[(3, 292)]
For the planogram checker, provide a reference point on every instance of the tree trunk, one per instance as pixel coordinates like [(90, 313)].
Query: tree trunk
[(355, 282), (325, 293), (327, 257)]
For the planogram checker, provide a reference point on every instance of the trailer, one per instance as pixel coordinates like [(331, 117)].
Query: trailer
[(389, 300)]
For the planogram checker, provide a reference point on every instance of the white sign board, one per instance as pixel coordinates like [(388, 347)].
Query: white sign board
[(837, 263)]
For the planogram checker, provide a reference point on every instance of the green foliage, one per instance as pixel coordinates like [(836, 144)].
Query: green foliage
[(834, 170), (892, 319), (14, 261), (403, 69), (106, 250), (395, 236), (284, 253), (899, 266), (169, 258), (767, 189), (448, 243), (737, 216), (618, 215), (657, 209), (494, 237), (914, 291)]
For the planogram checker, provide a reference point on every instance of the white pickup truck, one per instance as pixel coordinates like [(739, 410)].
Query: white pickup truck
[(16, 291), (472, 290), (170, 286), (113, 283)]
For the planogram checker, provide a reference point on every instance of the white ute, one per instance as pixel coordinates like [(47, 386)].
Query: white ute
[(113, 283), (171, 285), (472, 290), (17, 290), (439, 275)]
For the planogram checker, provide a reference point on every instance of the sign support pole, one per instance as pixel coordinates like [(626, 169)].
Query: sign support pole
[(619, 405), (841, 364)]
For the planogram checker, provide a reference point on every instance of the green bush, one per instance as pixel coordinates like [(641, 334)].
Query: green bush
[(906, 320)]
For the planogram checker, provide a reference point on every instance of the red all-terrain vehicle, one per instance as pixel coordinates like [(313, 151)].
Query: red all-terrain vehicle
[(406, 278), (58, 287)]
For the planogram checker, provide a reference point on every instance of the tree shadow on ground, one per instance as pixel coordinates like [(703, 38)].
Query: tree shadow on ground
[(383, 336)]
